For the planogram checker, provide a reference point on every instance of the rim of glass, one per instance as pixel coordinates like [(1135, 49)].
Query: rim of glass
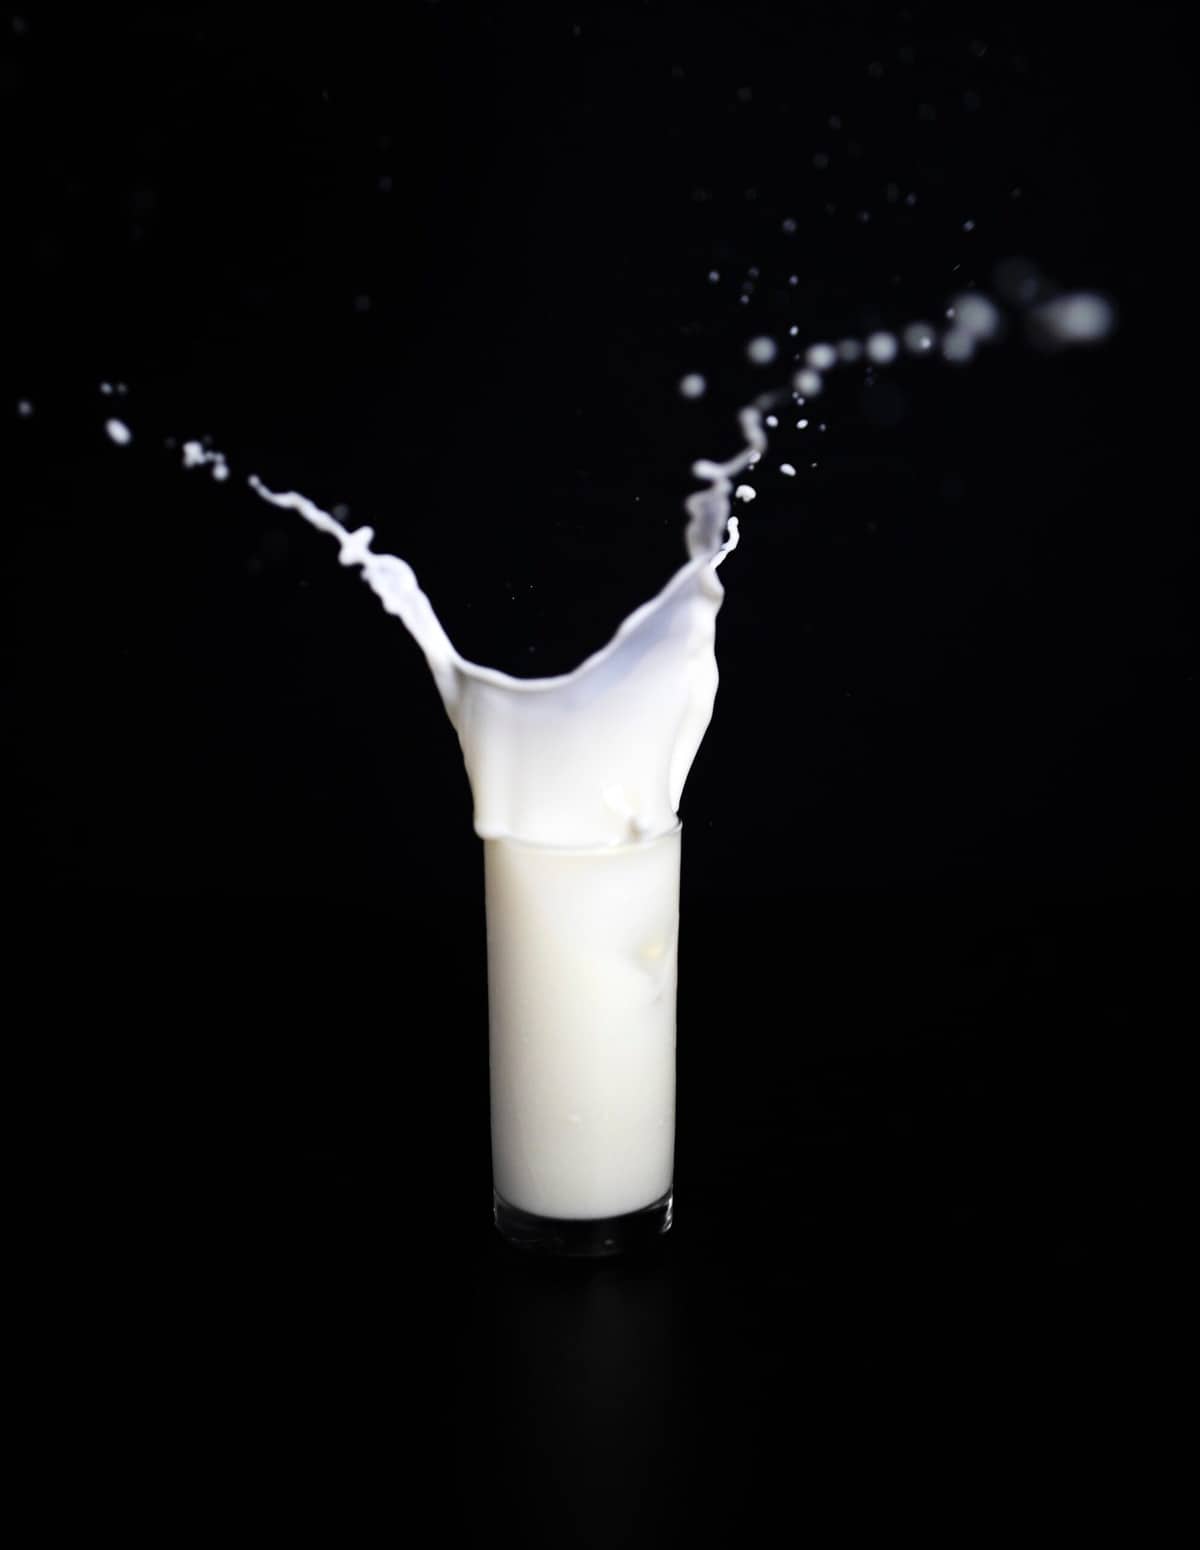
[(614, 849)]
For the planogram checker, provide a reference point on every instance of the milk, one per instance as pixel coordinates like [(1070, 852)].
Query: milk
[(576, 782), (582, 956)]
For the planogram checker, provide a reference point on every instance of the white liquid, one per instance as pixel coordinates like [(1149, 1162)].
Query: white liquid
[(582, 953), (598, 756), (576, 783)]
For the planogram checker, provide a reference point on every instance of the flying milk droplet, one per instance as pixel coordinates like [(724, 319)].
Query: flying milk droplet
[(1080, 318), (919, 338), (693, 385), (977, 315), (118, 432), (882, 348)]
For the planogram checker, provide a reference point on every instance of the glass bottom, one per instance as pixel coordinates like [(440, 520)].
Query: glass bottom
[(596, 1239)]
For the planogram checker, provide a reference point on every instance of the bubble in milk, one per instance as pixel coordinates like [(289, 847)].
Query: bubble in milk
[(693, 385), (762, 351), (118, 432)]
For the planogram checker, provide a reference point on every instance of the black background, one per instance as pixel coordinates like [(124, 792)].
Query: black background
[(445, 265)]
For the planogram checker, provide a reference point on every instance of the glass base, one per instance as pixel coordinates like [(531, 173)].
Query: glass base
[(583, 1239)]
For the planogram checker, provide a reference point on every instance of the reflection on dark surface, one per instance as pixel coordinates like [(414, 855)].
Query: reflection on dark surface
[(572, 1403)]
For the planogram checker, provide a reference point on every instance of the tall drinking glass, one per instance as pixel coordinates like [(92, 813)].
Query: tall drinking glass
[(582, 977)]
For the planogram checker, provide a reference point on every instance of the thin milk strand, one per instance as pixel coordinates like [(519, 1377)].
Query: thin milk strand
[(598, 756)]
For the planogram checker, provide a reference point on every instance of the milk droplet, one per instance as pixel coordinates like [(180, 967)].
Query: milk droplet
[(849, 350), (882, 348), (919, 338), (808, 382), (745, 492), (713, 276), (762, 351), (24, 408), (786, 468), (968, 225), (693, 385), (106, 388), (958, 345), (771, 421), (1076, 319), (822, 356), (801, 425), (977, 315), (118, 432), (788, 225)]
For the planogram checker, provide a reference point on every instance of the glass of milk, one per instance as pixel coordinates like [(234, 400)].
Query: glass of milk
[(576, 784), (582, 972)]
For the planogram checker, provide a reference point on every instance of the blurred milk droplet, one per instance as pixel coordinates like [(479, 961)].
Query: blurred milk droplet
[(977, 315), (882, 348), (1080, 318), (919, 338)]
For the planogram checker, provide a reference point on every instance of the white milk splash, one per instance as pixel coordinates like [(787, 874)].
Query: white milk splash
[(597, 756)]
